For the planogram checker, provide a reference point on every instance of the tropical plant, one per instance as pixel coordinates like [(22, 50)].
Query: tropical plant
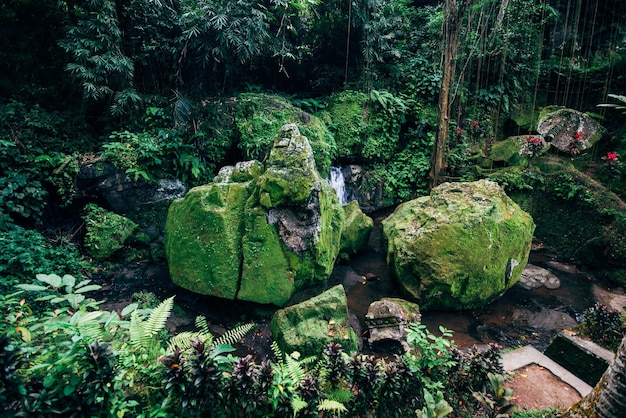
[(430, 355), (603, 325), (496, 398), (436, 407), (101, 67)]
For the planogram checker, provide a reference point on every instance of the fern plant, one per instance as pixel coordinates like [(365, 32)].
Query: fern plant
[(184, 339), (143, 331)]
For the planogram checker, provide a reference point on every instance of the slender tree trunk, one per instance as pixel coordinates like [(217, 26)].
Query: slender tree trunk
[(608, 398), (452, 15)]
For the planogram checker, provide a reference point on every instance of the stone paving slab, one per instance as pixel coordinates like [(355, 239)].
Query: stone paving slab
[(524, 356)]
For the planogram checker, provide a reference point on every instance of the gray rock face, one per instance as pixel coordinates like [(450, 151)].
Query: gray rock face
[(459, 248), (569, 130), (386, 321), (355, 178), (100, 179), (534, 277)]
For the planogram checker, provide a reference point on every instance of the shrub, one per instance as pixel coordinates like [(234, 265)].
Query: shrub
[(25, 252), (603, 325)]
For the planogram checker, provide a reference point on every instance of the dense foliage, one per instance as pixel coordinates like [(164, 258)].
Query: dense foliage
[(60, 353), (176, 89)]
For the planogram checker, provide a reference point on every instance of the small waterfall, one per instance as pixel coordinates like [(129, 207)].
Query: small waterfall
[(337, 181)]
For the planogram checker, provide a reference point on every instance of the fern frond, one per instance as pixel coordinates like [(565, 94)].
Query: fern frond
[(235, 334), (135, 329), (297, 404), (277, 352), (156, 321), (184, 339), (340, 395), (142, 332), (202, 324), (295, 370), (331, 406)]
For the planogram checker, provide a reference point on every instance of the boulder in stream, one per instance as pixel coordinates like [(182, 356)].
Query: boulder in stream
[(459, 248), (310, 326), (257, 233)]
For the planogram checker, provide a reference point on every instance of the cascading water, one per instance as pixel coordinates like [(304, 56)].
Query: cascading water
[(338, 183)]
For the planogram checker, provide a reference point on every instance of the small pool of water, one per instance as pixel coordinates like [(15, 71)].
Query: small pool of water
[(519, 317)]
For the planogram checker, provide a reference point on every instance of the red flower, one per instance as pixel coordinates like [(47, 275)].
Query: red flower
[(578, 135), (474, 124), (611, 157), (459, 131)]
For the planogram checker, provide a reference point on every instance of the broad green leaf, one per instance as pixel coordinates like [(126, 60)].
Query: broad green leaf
[(53, 280), (68, 281), (129, 308), (88, 288), (32, 287)]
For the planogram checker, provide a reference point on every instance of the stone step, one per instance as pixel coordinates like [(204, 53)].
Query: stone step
[(527, 355)]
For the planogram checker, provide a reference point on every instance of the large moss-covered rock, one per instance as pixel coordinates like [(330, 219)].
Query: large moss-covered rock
[(459, 248), (310, 326), (356, 230), (257, 233), (204, 230)]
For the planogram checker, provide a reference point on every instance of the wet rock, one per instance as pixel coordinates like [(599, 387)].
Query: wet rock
[(534, 277), (360, 186), (356, 230), (459, 248), (386, 321), (310, 326)]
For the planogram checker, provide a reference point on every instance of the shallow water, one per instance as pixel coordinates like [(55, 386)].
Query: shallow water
[(519, 317)]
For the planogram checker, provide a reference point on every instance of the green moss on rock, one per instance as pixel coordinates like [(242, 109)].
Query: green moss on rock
[(203, 240), (356, 230), (459, 248), (106, 231), (310, 326)]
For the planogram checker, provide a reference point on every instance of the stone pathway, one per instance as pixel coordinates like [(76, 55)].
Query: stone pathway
[(524, 356)]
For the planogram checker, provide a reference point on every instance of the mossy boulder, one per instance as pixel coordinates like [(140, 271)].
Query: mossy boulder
[(310, 326), (106, 231), (459, 248), (507, 152), (253, 236), (259, 116), (356, 230), (203, 233)]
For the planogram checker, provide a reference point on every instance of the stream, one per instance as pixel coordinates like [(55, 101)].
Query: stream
[(520, 317)]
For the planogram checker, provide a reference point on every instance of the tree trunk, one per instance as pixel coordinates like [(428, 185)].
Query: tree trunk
[(452, 15), (608, 398)]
